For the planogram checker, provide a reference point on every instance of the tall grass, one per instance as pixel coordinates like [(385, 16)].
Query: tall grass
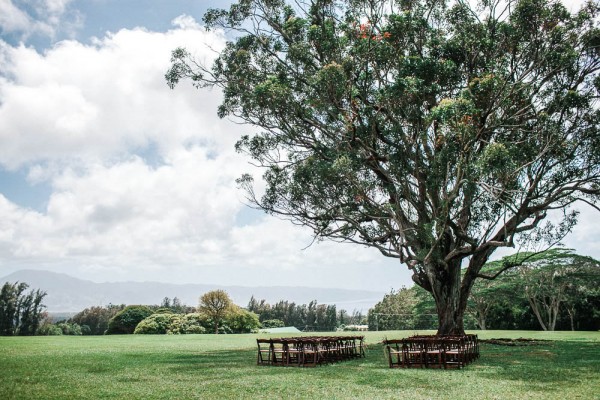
[(223, 367)]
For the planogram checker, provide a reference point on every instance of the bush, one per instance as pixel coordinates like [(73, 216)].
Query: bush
[(157, 324), (242, 321), (69, 328), (273, 323), (49, 330), (191, 323), (126, 320), (173, 324)]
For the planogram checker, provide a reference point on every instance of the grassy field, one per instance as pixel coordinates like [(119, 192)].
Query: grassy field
[(223, 367)]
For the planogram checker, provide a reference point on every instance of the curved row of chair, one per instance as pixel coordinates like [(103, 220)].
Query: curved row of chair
[(308, 351), (432, 351)]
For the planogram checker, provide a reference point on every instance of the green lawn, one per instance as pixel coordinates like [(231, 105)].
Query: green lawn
[(217, 367)]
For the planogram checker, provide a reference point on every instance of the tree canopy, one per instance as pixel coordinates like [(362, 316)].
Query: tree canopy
[(431, 130), (216, 304)]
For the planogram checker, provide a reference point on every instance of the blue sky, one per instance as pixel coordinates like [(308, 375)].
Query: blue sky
[(108, 175)]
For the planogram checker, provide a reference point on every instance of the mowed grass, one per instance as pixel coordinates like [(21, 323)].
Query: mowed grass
[(224, 367)]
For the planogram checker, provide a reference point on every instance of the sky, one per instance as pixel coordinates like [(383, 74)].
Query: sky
[(106, 174)]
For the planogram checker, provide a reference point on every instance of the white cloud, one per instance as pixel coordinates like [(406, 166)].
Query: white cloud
[(43, 17), (95, 101), (13, 19)]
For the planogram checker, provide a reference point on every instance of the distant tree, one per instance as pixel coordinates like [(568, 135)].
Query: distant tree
[(20, 313), (175, 306), (273, 323), (242, 321), (70, 328), (96, 318), (216, 304), (435, 132), (394, 312), (553, 279), (125, 321), (487, 295)]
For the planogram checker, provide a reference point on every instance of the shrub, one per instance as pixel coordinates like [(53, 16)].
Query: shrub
[(127, 319), (69, 328), (242, 321), (191, 323), (157, 324), (49, 330), (273, 323)]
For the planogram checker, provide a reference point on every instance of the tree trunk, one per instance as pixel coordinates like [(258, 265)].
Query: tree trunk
[(536, 311), (446, 285), (571, 312), (481, 321)]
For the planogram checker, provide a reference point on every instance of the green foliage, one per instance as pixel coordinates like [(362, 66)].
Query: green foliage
[(242, 321), (49, 329), (127, 319), (20, 313), (68, 328), (156, 324), (273, 323), (555, 289), (191, 323), (96, 318), (394, 312)]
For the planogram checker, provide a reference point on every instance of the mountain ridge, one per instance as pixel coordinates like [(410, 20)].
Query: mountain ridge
[(66, 293)]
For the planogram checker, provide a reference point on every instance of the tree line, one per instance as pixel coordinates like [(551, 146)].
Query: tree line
[(305, 317), (24, 314)]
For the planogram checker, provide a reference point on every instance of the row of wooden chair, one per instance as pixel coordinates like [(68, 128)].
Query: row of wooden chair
[(432, 351), (308, 351)]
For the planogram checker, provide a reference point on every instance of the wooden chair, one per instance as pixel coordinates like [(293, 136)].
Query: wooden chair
[(455, 353), (433, 352), (293, 352), (264, 355), (412, 354), (394, 352), (279, 352)]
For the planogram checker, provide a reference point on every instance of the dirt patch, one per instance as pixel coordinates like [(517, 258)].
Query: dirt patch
[(516, 342)]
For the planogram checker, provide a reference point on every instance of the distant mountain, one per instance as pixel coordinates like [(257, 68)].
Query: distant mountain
[(69, 294)]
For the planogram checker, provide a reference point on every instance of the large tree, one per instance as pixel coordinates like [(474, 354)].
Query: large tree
[(431, 130)]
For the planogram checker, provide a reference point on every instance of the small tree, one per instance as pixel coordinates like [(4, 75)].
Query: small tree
[(216, 304)]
